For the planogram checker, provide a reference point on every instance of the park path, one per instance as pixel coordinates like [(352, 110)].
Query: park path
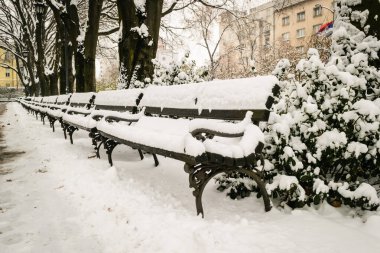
[(6, 155)]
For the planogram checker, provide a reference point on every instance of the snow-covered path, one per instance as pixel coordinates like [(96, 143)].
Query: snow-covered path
[(56, 199)]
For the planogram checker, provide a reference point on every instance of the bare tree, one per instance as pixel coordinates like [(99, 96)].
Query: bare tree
[(204, 19), (139, 34)]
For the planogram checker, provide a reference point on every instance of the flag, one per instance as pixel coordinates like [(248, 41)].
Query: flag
[(326, 29)]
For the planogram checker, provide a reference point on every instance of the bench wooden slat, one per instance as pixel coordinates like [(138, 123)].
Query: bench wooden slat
[(258, 115)]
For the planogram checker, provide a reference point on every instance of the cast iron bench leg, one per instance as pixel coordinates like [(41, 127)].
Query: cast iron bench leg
[(64, 130), (156, 163), (201, 174), (141, 154), (52, 121), (109, 145), (71, 130), (96, 138), (98, 148)]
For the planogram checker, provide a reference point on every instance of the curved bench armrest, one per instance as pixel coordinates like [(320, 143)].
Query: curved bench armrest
[(82, 111), (211, 132), (220, 128), (125, 117), (116, 118)]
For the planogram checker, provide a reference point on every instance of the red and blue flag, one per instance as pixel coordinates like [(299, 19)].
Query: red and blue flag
[(326, 28)]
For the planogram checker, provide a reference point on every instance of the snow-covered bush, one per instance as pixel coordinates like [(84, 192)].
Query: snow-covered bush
[(185, 71), (324, 129)]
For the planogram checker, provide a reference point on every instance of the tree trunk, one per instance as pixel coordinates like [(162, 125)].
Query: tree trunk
[(59, 66), (53, 77), (40, 62), (136, 48), (79, 68), (34, 89), (71, 21), (90, 44)]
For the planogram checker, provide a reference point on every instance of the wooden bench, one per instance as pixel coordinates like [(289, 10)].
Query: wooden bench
[(208, 146), (32, 105), (119, 103), (45, 105), (80, 103), (55, 111)]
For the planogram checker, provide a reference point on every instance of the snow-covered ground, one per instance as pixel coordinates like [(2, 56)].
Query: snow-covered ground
[(57, 199)]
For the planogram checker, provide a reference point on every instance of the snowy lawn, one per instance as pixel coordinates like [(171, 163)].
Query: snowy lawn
[(56, 199)]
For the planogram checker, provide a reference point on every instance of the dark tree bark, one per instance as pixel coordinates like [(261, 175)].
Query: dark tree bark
[(53, 77), (137, 50), (90, 44), (40, 61), (34, 89), (70, 19), (64, 47)]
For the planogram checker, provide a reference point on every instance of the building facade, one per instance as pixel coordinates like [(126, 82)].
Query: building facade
[(296, 21), (8, 77), (275, 25), (243, 39)]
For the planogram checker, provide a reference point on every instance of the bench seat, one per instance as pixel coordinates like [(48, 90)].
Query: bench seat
[(90, 121), (117, 103), (56, 113), (175, 135)]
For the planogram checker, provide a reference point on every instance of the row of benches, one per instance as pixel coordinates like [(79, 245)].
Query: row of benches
[(212, 126)]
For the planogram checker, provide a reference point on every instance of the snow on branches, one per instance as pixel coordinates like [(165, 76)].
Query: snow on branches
[(323, 135)]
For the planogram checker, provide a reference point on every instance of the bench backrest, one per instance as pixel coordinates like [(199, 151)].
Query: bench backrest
[(63, 99), (85, 99), (222, 99), (50, 100), (36, 99), (118, 100)]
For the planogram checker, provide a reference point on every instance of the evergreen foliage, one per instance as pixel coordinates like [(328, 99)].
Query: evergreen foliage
[(323, 136)]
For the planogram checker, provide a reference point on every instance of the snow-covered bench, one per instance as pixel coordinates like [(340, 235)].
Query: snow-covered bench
[(118, 103), (80, 103), (32, 104), (44, 106), (209, 145), (55, 111)]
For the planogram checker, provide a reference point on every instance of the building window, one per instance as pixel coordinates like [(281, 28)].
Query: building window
[(316, 28), (285, 20), (317, 11), (300, 16), (301, 33), (300, 49), (285, 36), (7, 73), (7, 56)]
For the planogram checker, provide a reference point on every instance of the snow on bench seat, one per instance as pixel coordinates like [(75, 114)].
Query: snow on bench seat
[(81, 98), (175, 135), (90, 121), (47, 103), (118, 100), (56, 110)]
